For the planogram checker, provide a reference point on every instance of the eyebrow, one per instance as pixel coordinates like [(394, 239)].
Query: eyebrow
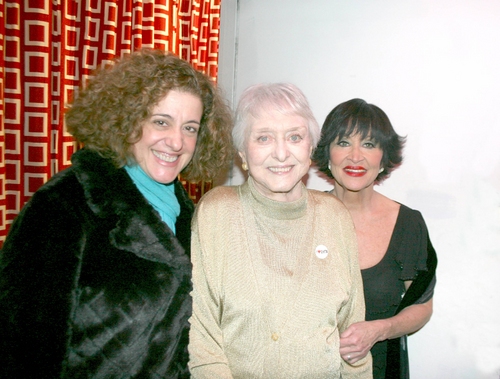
[(162, 114), (171, 118), (267, 129)]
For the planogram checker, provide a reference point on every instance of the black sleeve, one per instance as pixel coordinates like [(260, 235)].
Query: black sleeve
[(38, 265), (423, 286)]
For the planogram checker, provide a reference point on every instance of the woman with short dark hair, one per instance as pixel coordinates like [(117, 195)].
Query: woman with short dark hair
[(358, 149)]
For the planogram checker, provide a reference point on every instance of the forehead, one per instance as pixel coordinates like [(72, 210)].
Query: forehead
[(274, 121), (175, 96)]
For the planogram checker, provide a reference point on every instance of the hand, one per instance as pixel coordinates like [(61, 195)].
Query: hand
[(357, 340)]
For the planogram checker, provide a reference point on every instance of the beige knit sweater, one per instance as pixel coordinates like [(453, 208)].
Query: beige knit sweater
[(265, 303)]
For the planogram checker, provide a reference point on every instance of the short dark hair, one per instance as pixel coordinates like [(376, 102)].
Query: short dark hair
[(356, 116), (108, 113)]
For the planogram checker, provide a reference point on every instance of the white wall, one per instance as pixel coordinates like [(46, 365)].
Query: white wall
[(433, 66)]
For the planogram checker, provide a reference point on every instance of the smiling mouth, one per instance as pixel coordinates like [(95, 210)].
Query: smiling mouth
[(355, 171), (165, 157), (280, 169)]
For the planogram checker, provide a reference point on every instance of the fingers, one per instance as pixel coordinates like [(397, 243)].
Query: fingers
[(348, 351), (346, 333), (351, 358)]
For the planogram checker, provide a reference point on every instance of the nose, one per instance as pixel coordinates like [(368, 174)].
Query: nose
[(355, 153), (174, 139), (281, 151)]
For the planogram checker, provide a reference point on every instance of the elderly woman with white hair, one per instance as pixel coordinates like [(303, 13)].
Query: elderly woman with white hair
[(276, 277)]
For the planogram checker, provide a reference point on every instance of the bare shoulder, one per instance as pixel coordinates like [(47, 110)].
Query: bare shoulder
[(386, 205)]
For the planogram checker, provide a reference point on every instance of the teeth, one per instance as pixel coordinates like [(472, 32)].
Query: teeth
[(280, 169), (165, 157), (357, 171)]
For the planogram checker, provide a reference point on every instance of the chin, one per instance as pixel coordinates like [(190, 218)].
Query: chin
[(165, 179)]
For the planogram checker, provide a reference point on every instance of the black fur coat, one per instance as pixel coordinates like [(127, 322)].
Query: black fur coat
[(92, 283)]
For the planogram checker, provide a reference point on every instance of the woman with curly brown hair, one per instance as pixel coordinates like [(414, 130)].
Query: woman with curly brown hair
[(95, 273)]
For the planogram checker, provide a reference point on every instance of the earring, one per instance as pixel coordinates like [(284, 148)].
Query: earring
[(244, 166), (381, 169), (329, 166)]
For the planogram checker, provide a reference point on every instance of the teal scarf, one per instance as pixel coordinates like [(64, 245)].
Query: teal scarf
[(160, 196)]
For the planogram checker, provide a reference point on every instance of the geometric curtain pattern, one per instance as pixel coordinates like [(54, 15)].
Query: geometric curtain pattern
[(48, 47)]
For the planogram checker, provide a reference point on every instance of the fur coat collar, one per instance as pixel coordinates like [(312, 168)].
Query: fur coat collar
[(110, 194), (92, 282)]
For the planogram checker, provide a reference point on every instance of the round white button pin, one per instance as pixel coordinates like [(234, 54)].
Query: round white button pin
[(321, 251)]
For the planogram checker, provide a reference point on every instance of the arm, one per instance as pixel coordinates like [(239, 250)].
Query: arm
[(412, 314), (362, 366), (206, 353), (359, 338), (38, 265)]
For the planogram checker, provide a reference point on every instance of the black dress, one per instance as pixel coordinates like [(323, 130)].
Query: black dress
[(410, 256)]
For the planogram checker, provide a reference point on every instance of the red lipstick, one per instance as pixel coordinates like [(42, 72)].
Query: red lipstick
[(355, 171)]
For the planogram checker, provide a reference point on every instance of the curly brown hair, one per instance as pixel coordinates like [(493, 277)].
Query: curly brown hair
[(108, 113)]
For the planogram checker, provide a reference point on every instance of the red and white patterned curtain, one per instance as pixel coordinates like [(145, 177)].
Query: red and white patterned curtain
[(48, 47)]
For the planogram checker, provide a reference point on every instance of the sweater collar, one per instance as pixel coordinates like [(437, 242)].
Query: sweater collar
[(275, 209)]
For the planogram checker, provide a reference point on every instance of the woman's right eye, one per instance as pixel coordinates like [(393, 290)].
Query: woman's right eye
[(343, 143), (160, 122)]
